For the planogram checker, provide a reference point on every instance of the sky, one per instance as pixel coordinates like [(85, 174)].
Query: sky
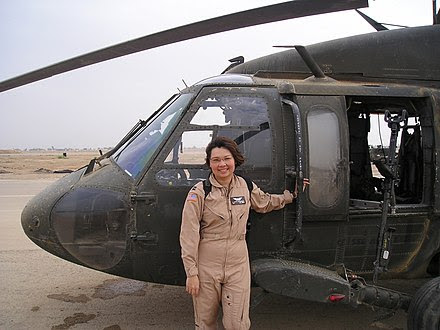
[(96, 106)]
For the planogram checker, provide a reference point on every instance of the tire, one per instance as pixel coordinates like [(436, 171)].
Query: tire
[(424, 309)]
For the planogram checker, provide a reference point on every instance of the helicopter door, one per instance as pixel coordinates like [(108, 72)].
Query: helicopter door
[(248, 115), (325, 148)]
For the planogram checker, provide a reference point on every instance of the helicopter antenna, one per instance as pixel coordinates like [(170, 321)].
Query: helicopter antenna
[(372, 22), (234, 62), (310, 62), (184, 83), (378, 26)]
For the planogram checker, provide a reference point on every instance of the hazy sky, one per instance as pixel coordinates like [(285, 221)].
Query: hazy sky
[(97, 105)]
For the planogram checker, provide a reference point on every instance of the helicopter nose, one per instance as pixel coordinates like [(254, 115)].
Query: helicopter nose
[(30, 221), (84, 222), (35, 217), (34, 221)]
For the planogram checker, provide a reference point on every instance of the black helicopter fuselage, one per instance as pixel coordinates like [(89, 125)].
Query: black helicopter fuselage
[(121, 214)]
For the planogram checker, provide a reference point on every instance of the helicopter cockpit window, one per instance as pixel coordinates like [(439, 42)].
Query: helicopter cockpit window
[(194, 151), (243, 118), (134, 155)]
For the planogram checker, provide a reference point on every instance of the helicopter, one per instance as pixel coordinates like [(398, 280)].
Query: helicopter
[(297, 114)]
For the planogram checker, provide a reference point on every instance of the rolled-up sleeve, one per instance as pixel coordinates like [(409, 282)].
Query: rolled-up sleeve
[(263, 202), (190, 231)]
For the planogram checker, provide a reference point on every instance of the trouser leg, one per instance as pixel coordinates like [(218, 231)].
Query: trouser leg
[(235, 300), (206, 305)]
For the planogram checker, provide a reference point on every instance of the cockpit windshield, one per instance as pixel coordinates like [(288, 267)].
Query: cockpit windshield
[(133, 156)]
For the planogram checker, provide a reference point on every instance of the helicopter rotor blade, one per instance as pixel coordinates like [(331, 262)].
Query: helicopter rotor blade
[(262, 15)]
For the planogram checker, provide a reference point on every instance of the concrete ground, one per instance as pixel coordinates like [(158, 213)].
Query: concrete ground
[(41, 291)]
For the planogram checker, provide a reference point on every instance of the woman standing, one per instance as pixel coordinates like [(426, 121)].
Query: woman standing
[(212, 238)]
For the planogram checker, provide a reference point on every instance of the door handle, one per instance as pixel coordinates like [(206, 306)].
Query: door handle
[(150, 199)]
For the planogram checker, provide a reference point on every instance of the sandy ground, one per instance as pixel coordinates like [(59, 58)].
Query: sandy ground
[(40, 291), (31, 165)]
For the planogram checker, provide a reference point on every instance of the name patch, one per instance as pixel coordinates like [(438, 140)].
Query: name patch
[(239, 200)]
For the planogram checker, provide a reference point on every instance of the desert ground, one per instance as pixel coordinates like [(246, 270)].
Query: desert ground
[(41, 164)]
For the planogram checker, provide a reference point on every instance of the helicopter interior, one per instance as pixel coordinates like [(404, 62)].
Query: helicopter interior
[(369, 148)]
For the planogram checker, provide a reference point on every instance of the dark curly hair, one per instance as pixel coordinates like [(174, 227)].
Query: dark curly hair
[(224, 142)]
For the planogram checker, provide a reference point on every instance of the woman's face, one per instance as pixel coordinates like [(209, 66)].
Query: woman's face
[(222, 164)]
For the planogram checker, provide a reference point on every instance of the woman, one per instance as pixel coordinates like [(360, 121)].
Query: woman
[(212, 238)]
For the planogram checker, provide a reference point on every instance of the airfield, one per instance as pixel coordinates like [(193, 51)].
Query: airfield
[(41, 291)]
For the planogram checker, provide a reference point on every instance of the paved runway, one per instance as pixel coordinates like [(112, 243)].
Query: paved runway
[(41, 291)]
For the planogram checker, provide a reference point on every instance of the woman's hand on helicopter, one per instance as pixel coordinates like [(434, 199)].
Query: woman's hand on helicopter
[(306, 182), (193, 285)]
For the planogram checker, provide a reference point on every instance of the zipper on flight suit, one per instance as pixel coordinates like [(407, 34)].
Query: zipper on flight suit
[(227, 194)]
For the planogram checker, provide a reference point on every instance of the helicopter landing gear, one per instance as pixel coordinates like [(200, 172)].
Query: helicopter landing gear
[(424, 309), (301, 280)]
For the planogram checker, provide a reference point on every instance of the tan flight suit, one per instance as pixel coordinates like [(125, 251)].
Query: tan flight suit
[(213, 245)]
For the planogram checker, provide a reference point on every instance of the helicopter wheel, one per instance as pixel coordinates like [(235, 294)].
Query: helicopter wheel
[(424, 310)]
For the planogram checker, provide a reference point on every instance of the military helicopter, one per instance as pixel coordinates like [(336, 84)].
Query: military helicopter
[(303, 113)]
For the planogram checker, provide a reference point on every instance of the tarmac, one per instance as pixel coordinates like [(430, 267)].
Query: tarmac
[(41, 291)]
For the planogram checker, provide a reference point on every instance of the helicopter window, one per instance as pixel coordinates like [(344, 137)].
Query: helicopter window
[(223, 110), (190, 149), (213, 116), (243, 118), (134, 156), (324, 156)]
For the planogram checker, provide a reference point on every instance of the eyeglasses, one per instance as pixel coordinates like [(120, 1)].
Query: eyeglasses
[(217, 160)]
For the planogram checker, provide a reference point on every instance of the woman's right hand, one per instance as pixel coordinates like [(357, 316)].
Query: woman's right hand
[(193, 285)]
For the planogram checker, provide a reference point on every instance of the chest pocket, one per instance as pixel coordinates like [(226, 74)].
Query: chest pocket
[(216, 209)]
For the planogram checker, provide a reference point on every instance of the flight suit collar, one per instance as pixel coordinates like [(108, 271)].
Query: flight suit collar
[(215, 183)]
